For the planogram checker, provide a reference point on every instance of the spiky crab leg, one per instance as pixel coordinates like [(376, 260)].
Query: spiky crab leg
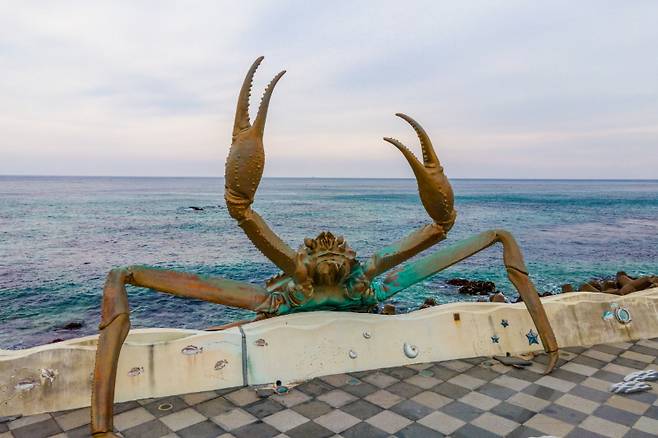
[(437, 198), (517, 273), (115, 322), (244, 169)]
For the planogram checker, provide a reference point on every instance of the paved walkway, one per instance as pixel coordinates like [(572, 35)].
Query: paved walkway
[(461, 398)]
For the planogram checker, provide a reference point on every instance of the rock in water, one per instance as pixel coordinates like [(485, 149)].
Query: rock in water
[(73, 325), (473, 287), (429, 302)]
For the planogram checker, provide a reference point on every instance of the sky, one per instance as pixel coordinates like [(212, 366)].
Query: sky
[(505, 89)]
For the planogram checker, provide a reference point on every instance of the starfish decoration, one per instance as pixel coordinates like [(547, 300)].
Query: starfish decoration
[(504, 323), (495, 339), (532, 337)]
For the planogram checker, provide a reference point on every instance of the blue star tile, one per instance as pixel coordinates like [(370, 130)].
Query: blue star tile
[(504, 323), (532, 337), (495, 339)]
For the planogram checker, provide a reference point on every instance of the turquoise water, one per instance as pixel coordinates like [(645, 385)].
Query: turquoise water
[(59, 236)]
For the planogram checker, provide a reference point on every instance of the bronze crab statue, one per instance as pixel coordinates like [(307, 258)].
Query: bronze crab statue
[(323, 274)]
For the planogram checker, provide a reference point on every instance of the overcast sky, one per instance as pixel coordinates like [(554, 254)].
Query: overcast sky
[(505, 89)]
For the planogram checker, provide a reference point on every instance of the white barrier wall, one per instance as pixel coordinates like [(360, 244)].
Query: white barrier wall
[(160, 362)]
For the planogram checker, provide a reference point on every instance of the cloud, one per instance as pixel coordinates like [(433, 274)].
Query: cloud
[(512, 89)]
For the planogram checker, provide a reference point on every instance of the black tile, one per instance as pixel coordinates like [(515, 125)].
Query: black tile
[(60, 413), (176, 403), (476, 360), (79, 432), (542, 392), (151, 429), (125, 406), (565, 414), (313, 409), (616, 415), (527, 375), (568, 376), (205, 429), (361, 409), (634, 433), (450, 390), (361, 430), (512, 412), (362, 374), (255, 430), (470, 431), (630, 363), (652, 412), (496, 391), (443, 373), (310, 429), (363, 389), (482, 373), (41, 429), (400, 372), (608, 349), (644, 350), (608, 376), (589, 361), (411, 410), (583, 433), (404, 389), (525, 432), (225, 391), (644, 397), (415, 430), (264, 408), (315, 387), (543, 359), (590, 393), (575, 350), (214, 407), (462, 411)]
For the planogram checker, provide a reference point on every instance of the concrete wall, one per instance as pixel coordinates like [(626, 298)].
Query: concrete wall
[(160, 362)]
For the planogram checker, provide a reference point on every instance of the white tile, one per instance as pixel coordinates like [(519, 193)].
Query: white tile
[(383, 398), (389, 421), (74, 419), (549, 425), (557, 384), (494, 423), (233, 419), (337, 421), (26, 421), (604, 427), (577, 403), (285, 420), (481, 401), (441, 422), (132, 418), (182, 419)]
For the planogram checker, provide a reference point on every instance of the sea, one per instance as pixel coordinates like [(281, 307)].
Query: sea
[(59, 237)]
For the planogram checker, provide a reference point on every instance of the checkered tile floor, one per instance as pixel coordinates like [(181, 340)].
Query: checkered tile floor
[(461, 398)]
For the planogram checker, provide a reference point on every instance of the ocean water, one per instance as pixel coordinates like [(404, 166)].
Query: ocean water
[(59, 236)]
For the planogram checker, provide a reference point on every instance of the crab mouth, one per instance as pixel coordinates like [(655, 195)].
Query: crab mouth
[(331, 271)]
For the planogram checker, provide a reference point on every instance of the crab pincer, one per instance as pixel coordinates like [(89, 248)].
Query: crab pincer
[(433, 185), (244, 166)]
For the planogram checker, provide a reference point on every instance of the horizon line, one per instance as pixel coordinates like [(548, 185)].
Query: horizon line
[(322, 177)]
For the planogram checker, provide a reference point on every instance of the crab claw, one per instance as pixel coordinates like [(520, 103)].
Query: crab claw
[(433, 185), (244, 166)]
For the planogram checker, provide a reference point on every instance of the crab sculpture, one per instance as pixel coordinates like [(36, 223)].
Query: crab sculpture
[(323, 274)]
